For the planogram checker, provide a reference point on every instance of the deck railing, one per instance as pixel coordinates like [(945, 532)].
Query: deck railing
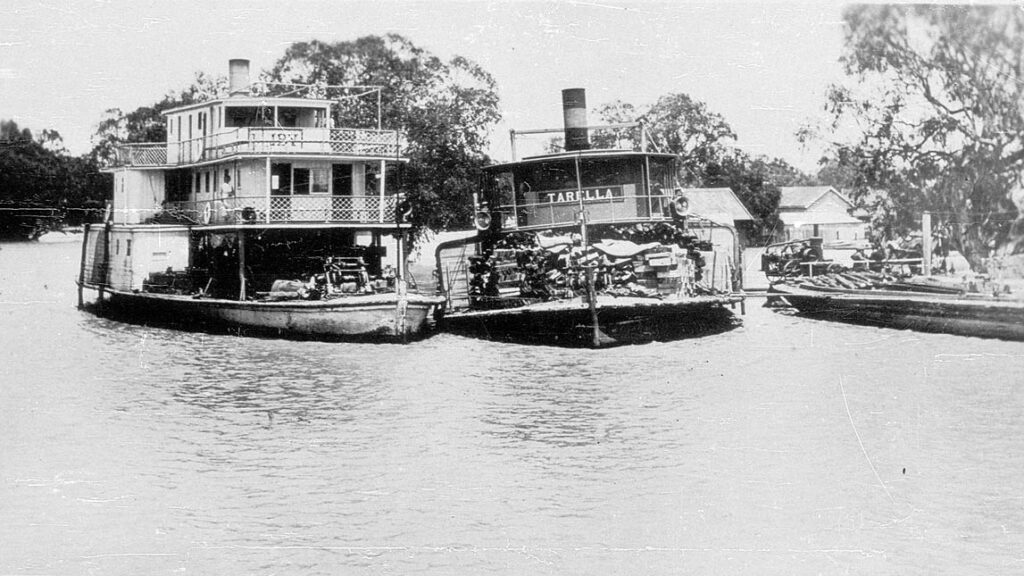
[(275, 141), (618, 209), (284, 209)]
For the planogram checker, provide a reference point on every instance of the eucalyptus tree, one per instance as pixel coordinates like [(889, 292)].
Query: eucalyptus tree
[(931, 119), (445, 108)]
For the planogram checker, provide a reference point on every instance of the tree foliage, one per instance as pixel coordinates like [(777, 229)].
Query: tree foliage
[(146, 124), (704, 141), (444, 108), (35, 172), (931, 119)]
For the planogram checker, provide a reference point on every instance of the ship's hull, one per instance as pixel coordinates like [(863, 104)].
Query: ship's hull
[(622, 320), (387, 317), (983, 317)]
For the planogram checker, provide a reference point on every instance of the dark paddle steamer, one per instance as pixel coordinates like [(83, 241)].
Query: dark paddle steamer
[(588, 246)]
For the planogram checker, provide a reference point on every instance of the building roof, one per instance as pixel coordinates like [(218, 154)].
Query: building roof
[(801, 197), (719, 204), (812, 217), (254, 101)]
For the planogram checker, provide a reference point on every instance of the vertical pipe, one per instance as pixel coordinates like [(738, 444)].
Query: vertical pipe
[(512, 137), (574, 116), (926, 243), (241, 265)]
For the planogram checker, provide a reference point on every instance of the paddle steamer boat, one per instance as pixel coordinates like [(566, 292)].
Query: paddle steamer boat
[(588, 246), (258, 213)]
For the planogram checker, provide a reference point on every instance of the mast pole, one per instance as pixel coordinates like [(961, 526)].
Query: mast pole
[(595, 327)]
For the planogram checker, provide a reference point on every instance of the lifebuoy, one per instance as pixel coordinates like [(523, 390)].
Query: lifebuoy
[(482, 220), (404, 211), (680, 205), (207, 213)]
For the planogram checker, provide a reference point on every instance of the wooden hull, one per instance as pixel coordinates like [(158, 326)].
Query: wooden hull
[(372, 317), (622, 320), (983, 317)]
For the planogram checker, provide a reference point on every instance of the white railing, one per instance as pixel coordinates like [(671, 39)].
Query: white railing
[(140, 155), (275, 141), (631, 208), (282, 209)]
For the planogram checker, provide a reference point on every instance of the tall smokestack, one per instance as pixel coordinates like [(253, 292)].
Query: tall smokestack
[(238, 77), (574, 112)]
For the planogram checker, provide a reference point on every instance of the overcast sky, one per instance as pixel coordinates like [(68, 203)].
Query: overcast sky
[(763, 66)]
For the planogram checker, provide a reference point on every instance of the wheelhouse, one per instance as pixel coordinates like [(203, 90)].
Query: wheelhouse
[(612, 186)]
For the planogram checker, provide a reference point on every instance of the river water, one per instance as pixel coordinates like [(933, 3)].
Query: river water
[(785, 446)]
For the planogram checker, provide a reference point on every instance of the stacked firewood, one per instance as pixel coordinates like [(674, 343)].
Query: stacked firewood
[(866, 280), (518, 270)]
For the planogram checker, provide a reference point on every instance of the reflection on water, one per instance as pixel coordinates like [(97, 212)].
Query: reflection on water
[(782, 445)]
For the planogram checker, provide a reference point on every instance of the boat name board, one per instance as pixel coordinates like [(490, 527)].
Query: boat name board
[(599, 194), (278, 138)]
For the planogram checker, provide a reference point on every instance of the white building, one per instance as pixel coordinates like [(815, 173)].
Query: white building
[(819, 211)]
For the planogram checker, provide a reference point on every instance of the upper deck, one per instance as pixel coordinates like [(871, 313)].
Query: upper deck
[(254, 122), (266, 156), (612, 186), (273, 141)]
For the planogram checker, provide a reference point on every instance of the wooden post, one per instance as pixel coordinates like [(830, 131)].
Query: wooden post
[(269, 180), (380, 184), (241, 264), (106, 262), (926, 243), (81, 265)]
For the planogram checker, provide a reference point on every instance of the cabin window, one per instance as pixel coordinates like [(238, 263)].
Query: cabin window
[(178, 131), (341, 179), (117, 246), (601, 172), (244, 116), (319, 181), (300, 180), (371, 184), (287, 117), (128, 247), (281, 178), (499, 188), (663, 172), (198, 187), (177, 185), (207, 179), (533, 178)]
